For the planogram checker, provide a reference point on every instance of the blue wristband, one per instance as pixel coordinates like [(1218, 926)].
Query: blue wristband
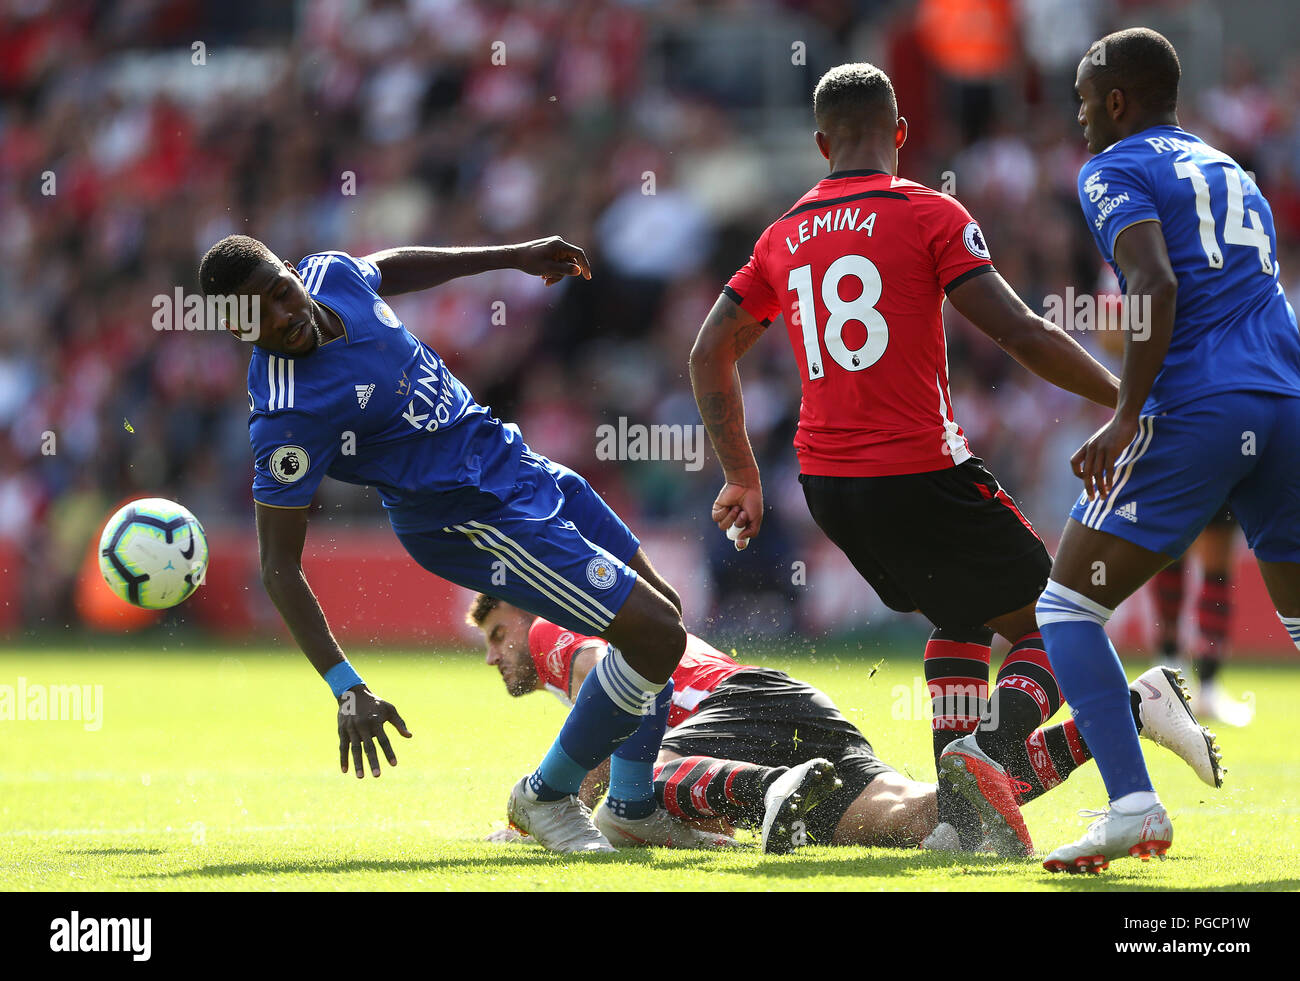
[(341, 677)]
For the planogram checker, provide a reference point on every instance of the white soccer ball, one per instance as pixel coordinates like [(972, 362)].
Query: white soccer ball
[(153, 553)]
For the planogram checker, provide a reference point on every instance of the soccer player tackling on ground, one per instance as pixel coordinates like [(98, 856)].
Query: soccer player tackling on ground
[(1208, 409), (337, 385), (860, 267), (760, 749)]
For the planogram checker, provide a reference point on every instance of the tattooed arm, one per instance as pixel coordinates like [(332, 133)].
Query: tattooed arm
[(728, 332)]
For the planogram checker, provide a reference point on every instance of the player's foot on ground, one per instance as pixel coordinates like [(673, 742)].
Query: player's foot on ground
[(986, 787), (787, 802), (661, 829), (1115, 835), (562, 825), (1215, 704), (1167, 720)]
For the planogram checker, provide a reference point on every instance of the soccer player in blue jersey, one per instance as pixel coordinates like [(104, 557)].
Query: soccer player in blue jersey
[(337, 385), (1208, 409)]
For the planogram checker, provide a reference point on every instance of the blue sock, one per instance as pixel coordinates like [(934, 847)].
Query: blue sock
[(1093, 682), (607, 710), (631, 768)]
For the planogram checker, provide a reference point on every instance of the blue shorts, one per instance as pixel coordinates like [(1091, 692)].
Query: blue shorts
[(1183, 465), (554, 548)]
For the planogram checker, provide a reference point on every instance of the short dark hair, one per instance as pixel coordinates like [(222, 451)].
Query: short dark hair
[(480, 608), (849, 95), (1141, 63), (228, 263)]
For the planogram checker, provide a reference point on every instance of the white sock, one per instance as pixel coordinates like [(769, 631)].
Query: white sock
[(1136, 802), (1292, 625)]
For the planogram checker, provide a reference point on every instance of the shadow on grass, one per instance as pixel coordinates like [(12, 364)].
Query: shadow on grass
[(972, 871)]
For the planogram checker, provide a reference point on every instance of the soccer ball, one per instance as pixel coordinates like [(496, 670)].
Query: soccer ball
[(153, 553)]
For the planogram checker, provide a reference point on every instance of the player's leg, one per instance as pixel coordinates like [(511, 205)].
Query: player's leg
[(957, 676), (1283, 582), (1025, 696), (1214, 617), (953, 544), (891, 812), (764, 750), (1094, 571), (629, 819), (998, 566), (1169, 589), (665, 768), (640, 563), (1168, 483), (526, 553), (630, 813), (1162, 715)]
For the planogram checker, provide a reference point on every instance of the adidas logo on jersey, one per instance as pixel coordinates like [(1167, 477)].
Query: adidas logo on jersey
[(1129, 512), (363, 394)]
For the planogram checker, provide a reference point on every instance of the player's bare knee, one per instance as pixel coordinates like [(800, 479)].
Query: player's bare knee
[(649, 632)]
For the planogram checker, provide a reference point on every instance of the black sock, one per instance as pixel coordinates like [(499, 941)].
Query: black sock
[(957, 675), (1026, 696)]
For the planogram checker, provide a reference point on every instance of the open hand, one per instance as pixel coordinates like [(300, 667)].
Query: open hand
[(362, 715)]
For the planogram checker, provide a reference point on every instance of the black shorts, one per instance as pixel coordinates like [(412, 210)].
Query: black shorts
[(766, 717), (950, 543)]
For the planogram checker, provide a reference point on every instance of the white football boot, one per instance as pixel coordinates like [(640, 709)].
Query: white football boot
[(787, 802), (562, 825), (1167, 721), (661, 829), (1114, 835)]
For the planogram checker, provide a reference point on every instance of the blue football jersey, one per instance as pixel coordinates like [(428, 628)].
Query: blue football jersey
[(376, 407), (1233, 329)]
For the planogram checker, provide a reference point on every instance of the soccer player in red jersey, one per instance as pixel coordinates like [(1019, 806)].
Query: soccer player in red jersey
[(753, 747), (860, 267)]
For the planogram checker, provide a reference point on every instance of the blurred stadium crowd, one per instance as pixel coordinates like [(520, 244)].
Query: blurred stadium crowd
[(477, 123)]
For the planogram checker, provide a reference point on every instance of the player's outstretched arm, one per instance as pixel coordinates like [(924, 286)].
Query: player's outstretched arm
[(281, 533), (406, 270), (1141, 255), (1042, 347), (727, 333)]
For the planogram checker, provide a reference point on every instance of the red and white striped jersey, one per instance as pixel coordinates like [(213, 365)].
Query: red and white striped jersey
[(702, 668), (859, 266)]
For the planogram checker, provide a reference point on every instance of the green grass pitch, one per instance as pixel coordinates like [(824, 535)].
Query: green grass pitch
[(217, 770)]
